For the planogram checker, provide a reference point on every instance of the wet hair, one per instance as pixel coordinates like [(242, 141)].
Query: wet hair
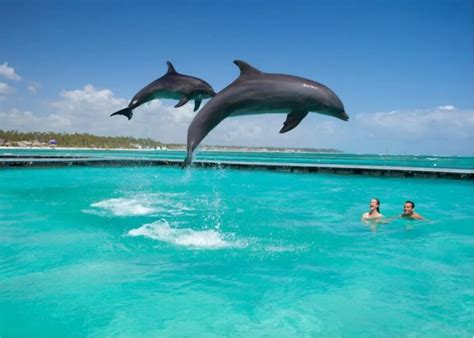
[(412, 204), (378, 204)]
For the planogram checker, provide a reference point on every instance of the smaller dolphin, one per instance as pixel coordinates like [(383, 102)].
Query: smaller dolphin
[(172, 85), (256, 92)]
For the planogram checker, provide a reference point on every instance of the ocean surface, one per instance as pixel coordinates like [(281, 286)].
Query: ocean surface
[(158, 251)]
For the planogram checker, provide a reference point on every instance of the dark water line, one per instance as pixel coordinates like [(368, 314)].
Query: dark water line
[(62, 161)]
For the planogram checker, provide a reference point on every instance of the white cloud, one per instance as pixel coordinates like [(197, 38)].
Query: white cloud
[(33, 87), (88, 110), (9, 72), (444, 121), (440, 130), (316, 131), (447, 107), (437, 130), (19, 120), (4, 88), (87, 101), (429, 131)]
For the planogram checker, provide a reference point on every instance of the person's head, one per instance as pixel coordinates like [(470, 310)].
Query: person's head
[(408, 207), (374, 204)]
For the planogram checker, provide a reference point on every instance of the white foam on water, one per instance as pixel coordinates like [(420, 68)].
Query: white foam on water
[(204, 239), (141, 205), (125, 207)]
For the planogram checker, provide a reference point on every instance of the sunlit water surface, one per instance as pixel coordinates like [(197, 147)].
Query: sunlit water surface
[(161, 251)]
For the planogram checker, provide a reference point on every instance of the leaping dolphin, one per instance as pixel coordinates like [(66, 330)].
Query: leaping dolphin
[(256, 92), (172, 85)]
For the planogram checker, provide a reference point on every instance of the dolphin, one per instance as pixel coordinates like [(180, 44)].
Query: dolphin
[(256, 92), (172, 85)]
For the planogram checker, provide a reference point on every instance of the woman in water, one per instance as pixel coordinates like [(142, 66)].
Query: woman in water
[(374, 211)]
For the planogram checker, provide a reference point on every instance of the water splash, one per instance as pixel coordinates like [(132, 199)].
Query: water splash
[(205, 239), (141, 205), (125, 207)]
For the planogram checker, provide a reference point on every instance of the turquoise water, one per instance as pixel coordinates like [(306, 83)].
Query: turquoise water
[(431, 161), (166, 252)]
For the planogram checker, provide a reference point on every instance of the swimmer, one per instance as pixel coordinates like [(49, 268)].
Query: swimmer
[(374, 211), (409, 211)]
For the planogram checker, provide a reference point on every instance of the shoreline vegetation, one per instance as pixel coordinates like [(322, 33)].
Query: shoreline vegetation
[(15, 139)]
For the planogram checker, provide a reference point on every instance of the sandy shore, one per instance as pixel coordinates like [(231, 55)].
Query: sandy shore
[(247, 150)]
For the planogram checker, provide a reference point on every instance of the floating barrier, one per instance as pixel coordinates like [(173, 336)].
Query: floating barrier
[(17, 161)]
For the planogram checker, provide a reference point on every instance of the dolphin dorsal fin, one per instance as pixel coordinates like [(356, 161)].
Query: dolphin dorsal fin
[(245, 68), (171, 69)]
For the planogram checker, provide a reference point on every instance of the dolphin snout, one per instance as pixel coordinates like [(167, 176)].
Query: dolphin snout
[(344, 116)]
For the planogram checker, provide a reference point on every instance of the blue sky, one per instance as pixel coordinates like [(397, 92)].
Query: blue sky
[(404, 69)]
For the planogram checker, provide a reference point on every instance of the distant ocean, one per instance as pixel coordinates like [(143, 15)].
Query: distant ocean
[(427, 161)]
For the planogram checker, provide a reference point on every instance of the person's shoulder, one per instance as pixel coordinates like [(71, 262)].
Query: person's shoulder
[(367, 215), (418, 216)]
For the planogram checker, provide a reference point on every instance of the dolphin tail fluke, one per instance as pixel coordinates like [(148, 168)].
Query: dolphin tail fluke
[(126, 112), (292, 120)]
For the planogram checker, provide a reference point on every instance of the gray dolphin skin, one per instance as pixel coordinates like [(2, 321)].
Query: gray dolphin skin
[(256, 92), (172, 85)]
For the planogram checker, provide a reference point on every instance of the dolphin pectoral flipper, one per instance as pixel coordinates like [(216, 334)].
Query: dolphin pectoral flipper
[(182, 102), (197, 104), (126, 111), (292, 120)]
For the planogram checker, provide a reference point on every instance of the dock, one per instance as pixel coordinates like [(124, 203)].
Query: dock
[(45, 161)]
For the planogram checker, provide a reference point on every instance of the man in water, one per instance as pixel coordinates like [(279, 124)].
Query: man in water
[(409, 211)]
